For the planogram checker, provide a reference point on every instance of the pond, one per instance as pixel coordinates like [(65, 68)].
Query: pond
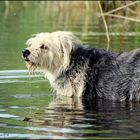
[(28, 107)]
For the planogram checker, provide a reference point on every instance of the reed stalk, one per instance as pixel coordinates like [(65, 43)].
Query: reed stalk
[(123, 17), (119, 8), (105, 24)]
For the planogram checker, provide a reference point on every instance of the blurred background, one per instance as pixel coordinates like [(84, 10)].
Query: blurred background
[(20, 19)]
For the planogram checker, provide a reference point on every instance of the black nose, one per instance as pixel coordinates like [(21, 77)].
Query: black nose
[(25, 52)]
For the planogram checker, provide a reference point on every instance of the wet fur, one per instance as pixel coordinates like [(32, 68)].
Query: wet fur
[(93, 73), (105, 74)]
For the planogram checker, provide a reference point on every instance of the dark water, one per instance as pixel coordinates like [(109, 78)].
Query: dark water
[(28, 107)]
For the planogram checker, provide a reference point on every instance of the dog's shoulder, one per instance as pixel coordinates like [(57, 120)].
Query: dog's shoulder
[(100, 56), (88, 51)]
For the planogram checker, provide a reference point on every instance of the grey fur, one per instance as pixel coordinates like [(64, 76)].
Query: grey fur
[(107, 75)]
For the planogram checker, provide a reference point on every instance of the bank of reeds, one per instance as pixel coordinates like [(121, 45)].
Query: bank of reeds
[(70, 12), (111, 13), (122, 7)]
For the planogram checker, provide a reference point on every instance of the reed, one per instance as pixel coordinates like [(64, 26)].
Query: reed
[(106, 27), (123, 8), (68, 13)]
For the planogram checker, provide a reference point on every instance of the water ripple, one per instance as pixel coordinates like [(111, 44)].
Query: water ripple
[(8, 116), (18, 76)]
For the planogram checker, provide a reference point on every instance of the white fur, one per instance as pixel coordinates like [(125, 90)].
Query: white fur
[(55, 59)]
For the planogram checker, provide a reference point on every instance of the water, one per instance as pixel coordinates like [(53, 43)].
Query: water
[(28, 107)]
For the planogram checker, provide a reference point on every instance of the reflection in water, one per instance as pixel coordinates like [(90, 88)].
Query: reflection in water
[(69, 117), (59, 112), (28, 110)]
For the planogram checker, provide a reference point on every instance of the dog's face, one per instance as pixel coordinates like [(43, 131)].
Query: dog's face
[(38, 52), (49, 51)]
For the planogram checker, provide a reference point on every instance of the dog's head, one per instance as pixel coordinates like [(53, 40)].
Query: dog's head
[(49, 51)]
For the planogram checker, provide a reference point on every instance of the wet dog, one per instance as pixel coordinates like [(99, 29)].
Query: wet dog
[(78, 70)]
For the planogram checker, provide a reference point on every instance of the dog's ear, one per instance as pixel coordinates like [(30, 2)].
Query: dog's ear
[(66, 46)]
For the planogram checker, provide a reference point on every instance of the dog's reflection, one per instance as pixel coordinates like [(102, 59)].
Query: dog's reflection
[(60, 112), (65, 112), (80, 118)]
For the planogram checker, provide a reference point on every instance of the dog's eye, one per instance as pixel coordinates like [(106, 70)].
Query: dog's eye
[(43, 47)]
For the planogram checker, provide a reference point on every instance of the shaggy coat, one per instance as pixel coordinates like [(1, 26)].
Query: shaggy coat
[(78, 70), (105, 74)]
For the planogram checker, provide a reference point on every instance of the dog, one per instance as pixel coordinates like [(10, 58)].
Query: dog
[(77, 70)]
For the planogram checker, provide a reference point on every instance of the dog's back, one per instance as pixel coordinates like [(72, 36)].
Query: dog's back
[(114, 76)]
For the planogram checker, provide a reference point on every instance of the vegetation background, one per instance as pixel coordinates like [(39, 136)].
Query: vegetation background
[(113, 25)]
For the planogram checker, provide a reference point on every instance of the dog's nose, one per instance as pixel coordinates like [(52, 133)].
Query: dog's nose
[(25, 52)]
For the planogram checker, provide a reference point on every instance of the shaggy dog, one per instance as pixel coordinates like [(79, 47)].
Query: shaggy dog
[(74, 69)]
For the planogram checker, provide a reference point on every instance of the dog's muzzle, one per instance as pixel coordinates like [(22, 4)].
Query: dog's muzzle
[(25, 54)]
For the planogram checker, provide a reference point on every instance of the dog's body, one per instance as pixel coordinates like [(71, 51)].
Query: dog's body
[(101, 74), (82, 71)]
